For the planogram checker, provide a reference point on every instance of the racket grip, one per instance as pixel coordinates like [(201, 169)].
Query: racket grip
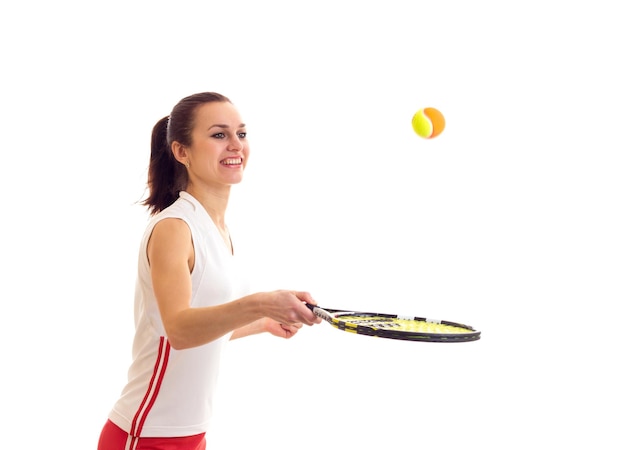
[(320, 312)]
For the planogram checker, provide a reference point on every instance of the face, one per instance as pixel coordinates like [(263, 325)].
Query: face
[(219, 148)]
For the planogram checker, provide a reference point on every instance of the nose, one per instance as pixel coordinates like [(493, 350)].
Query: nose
[(235, 144)]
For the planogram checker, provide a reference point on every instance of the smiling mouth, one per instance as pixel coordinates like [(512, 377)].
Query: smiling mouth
[(232, 161)]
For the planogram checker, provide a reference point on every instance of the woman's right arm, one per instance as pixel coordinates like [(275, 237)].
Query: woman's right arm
[(171, 257)]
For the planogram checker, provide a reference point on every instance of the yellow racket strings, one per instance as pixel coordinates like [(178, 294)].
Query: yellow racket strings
[(408, 325)]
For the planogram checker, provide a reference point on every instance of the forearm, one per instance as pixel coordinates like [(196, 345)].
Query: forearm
[(193, 327), (256, 327), (190, 327)]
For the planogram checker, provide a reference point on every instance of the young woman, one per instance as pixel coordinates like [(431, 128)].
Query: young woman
[(191, 297)]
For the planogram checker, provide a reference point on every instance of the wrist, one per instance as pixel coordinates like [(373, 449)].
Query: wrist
[(258, 302)]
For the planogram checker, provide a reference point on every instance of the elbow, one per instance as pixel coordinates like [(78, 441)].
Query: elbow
[(183, 339), (177, 340), (177, 345)]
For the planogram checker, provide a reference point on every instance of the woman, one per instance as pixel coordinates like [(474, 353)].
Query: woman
[(190, 295)]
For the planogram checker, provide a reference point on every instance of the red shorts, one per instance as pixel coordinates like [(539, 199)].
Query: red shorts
[(114, 438)]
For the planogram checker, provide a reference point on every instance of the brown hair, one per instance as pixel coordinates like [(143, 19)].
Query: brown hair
[(166, 176)]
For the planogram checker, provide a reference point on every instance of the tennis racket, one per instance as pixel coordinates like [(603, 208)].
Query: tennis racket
[(390, 326)]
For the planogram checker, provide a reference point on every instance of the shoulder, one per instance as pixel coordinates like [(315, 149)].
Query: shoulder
[(171, 228), (173, 217)]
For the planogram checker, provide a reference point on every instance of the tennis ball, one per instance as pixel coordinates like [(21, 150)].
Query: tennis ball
[(428, 123)]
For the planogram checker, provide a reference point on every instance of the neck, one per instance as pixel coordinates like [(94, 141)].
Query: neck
[(214, 202)]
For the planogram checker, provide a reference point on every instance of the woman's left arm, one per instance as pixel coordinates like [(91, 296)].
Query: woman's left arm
[(266, 325)]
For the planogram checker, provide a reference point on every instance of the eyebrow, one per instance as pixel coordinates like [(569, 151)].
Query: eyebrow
[(221, 125)]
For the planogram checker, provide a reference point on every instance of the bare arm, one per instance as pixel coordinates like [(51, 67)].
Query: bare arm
[(171, 256), (267, 325)]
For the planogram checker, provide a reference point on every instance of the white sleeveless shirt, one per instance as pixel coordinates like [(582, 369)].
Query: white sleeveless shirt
[(169, 392)]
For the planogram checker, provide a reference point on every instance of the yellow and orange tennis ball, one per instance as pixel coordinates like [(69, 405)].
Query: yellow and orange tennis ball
[(428, 123)]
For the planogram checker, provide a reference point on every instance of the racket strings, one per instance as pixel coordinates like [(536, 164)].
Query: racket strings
[(400, 325)]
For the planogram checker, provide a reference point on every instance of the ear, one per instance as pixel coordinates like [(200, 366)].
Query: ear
[(180, 153)]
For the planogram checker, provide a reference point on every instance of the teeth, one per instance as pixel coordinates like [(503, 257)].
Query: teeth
[(232, 161)]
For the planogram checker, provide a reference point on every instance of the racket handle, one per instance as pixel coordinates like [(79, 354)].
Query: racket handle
[(320, 312)]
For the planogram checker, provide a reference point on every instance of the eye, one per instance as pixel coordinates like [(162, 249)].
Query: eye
[(242, 134), (218, 135)]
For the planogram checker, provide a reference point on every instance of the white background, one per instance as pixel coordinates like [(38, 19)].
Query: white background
[(512, 220)]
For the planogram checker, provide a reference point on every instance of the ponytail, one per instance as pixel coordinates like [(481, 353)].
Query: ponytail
[(166, 176)]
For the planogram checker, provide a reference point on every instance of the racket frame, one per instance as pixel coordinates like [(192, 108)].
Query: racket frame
[(332, 316)]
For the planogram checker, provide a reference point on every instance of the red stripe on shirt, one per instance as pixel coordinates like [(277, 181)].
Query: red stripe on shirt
[(153, 388)]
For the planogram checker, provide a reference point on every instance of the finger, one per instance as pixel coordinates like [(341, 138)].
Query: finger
[(305, 297), (310, 316), (290, 330)]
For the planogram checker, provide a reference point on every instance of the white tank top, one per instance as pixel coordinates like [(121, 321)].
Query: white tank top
[(169, 392)]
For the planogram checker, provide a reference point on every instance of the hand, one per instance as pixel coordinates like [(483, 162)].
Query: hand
[(289, 309), (279, 329)]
